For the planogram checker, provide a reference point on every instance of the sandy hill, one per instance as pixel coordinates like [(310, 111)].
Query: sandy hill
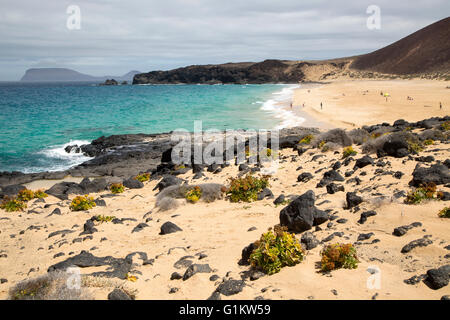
[(427, 50)]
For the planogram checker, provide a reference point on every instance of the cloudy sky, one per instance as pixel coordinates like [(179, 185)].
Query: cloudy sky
[(118, 36)]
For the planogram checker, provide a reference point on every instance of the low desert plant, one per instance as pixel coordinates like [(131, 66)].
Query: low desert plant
[(102, 218), (143, 177), (428, 142), (444, 213), (116, 188), (25, 195), (349, 151), (445, 126), (336, 256), (414, 146), (322, 143), (12, 204), (424, 192), (246, 189), (276, 249), (194, 194), (51, 286), (130, 278), (39, 194), (80, 203), (306, 139), (359, 136)]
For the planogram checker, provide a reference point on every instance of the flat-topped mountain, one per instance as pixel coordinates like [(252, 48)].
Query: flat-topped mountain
[(426, 50), (63, 74)]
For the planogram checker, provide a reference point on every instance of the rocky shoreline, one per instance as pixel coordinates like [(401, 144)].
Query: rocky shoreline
[(120, 157)]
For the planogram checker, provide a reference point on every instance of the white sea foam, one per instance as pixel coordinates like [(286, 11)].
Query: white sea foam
[(56, 158), (277, 106)]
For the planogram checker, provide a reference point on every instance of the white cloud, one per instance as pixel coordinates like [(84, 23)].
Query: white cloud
[(118, 36)]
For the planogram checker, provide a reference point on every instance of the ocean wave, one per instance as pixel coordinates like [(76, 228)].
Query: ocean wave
[(277, 106), (55, 158)]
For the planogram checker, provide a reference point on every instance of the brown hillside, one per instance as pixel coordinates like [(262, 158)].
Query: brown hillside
[(427, 50)]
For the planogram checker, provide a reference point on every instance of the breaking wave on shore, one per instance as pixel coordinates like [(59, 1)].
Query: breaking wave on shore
[(56, 158), (279, 106)]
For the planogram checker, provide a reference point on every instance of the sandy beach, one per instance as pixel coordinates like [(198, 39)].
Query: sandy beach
[(215, 234), (354, 103)]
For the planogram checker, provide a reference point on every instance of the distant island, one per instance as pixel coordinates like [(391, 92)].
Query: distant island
[(63, 74)]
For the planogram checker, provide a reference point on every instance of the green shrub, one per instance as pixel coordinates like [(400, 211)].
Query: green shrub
[(424, 192), (414, 146), (444, 213), (102, 218), (39, 194), (143, 177), (116, 188), (276, 249), (246, 189), (336, 256), (348, 151), (12, 204), (194, 194), (25, 195), (80, 203), (445, 126), (428, 142), (306, 139)]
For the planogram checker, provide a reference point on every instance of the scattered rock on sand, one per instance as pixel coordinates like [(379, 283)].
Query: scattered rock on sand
[(299, 215), (169, 227), (196, 268), (118, 294), (438, 278), (353, 200), (422, 242)]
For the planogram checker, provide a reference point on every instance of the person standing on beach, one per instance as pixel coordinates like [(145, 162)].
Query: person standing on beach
[(440, 105), (291, 105), (321, 106)]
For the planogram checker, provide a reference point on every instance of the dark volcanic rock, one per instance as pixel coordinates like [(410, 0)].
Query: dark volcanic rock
[(365, 236), (365, 215), (196, 268), (88, 227), (363, 162), (333, 175), (231, 287), (400, 231), (304, 177), (169, 227), (120, 267), (118, 294), (395, 146), (11, 190), (437, 173), (267, 71), (422, 242), (265, 193), (246, 252), (352, 200), (309, 240), (132, 183), (438, 278), (299, 215), (280, 199), (332, 188), (168, 181), (139, 227)]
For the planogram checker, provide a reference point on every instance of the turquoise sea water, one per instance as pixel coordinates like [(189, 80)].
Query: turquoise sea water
[(38, 120)]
